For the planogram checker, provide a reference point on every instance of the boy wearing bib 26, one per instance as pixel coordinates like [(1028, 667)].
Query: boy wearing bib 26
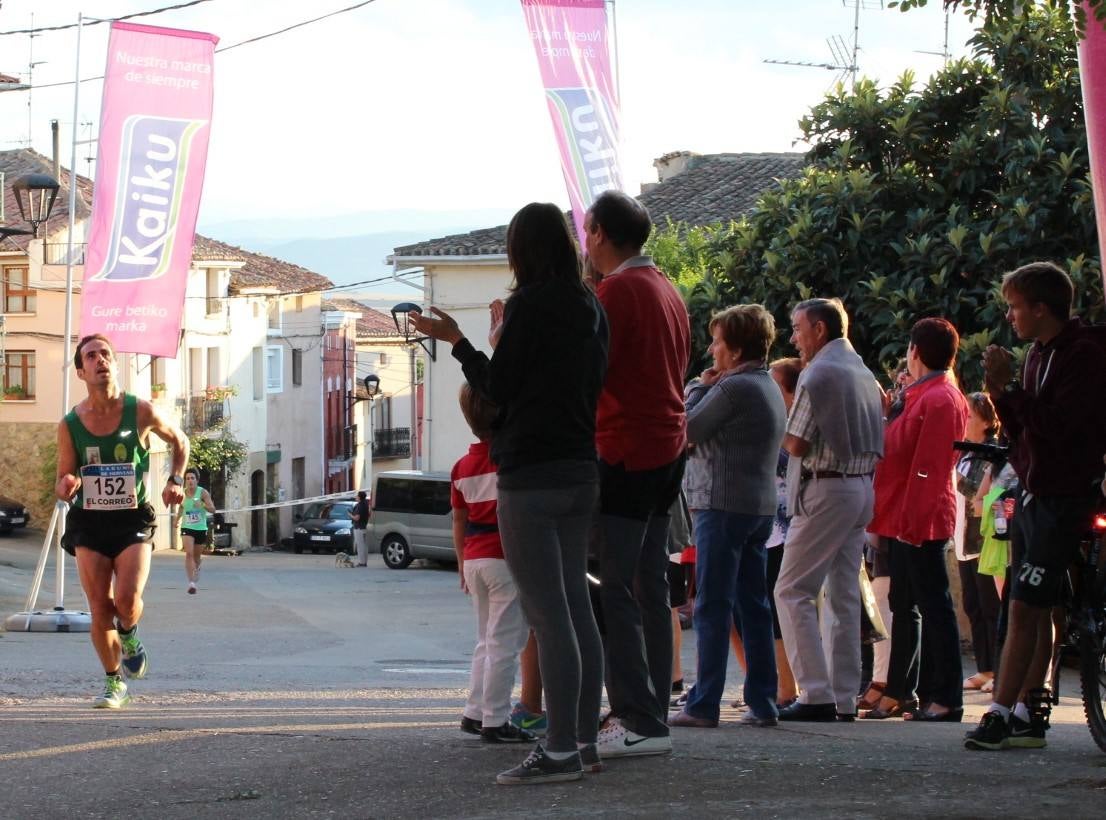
[(103, 459)]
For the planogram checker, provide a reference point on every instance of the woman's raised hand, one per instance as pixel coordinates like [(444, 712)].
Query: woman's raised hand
[(495, 309), (444, 328)]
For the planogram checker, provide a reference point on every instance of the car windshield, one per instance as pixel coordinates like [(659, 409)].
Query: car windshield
[(335, 511)]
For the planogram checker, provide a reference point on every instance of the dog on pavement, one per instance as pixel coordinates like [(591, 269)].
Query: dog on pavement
[(342, 560)]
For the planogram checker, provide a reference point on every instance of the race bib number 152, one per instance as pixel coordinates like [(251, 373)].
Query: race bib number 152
[(109, 487)]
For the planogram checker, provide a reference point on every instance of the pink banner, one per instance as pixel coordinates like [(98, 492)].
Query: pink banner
[(1092, 76), (154, 127), (570, 39)]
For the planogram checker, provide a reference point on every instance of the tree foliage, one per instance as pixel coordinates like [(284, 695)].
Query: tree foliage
[(1008, 9), (916, 201), (217, 455)]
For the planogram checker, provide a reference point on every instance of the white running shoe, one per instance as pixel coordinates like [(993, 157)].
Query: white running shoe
[(615, 740), (191, 587), (115, 694)]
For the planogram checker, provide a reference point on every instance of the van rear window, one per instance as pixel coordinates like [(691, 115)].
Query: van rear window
[(411, 496)]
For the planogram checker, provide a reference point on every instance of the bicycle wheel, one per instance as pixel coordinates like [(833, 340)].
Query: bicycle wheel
[(1092, 677)]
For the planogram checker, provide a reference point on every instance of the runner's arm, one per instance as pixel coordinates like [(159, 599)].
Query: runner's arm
[(209, 505), (150, 420), (68, 479)]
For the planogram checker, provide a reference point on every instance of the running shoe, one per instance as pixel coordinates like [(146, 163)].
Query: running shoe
[(470, 726), (135, 662), (992, 734), (191, 587), (615, 740), (1026, 734), (115, 694), (507, 733), (534, 722), (538, 767)]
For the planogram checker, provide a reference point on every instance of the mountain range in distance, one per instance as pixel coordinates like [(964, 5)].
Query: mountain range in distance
[(350, 248)]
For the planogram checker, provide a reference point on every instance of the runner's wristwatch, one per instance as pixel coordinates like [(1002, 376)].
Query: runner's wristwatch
[(176, 479)]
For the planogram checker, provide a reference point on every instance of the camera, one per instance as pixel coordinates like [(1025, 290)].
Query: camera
[(997, 454)]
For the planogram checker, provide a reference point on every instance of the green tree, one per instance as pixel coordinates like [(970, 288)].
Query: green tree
[(1007, 9), (917, 200)]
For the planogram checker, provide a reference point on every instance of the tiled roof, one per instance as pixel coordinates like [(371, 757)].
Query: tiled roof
[(370, 322), (712, 188), (259, 271), (718, 187), (21, 161)]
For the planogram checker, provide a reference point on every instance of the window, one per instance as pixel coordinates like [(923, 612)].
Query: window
[(383, 359), (258, 361), (196, 380), (157, 371), (274, 368), (382, 413), (299, 304), (19, 296), (214, 378), (212, 294), (297, 366), (19, 374), (299, 472), (275, 316)]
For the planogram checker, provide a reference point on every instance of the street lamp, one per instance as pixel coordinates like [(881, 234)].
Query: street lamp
[(35, 194)]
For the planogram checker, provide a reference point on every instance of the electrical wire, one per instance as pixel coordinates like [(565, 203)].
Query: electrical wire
[(92, 21), (222, 48)]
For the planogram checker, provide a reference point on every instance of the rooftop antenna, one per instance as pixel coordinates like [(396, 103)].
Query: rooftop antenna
[(844, 62), (30, 80), (944, 53)]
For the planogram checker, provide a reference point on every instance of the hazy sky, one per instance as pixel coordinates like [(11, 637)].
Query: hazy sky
[(437, 104)]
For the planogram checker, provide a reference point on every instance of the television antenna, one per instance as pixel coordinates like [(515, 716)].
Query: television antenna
[(844, 59), (944, 53)]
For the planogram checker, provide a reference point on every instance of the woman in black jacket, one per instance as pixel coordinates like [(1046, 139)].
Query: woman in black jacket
[(545, 375)]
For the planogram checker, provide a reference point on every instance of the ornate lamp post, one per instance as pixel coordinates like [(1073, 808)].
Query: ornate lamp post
[(35, 195)]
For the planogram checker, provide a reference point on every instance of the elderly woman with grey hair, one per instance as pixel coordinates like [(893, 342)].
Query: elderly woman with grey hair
[(736, 420)]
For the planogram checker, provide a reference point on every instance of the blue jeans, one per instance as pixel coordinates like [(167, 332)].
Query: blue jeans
[(730, 570)]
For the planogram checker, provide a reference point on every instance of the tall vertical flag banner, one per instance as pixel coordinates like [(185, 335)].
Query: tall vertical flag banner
[(1092, 77), (570, 40), (154, 127)]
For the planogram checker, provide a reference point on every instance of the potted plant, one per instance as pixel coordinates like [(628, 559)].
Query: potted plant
[(15, 392), (157, 390)]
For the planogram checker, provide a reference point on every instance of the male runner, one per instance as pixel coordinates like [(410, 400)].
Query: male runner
[(102, 464)]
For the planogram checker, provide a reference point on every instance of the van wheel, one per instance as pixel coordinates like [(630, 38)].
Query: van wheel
[(396, 553)]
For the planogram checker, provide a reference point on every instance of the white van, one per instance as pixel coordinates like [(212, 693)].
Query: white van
[(411, 517)]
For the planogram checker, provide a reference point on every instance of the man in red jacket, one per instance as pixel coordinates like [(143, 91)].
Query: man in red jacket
[(641, 438), (1053, 417), (915, 508)]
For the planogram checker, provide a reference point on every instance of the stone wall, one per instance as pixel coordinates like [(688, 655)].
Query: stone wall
[(24, 449)]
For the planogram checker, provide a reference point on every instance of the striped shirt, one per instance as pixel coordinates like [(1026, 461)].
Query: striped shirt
[(820, 457), (475, 491)]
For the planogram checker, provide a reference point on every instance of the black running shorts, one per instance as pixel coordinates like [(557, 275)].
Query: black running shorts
[(1044, 537), (108, 532), (199, 537)]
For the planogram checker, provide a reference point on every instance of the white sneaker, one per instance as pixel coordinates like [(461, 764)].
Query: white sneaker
[(191, 587), (615, 740)]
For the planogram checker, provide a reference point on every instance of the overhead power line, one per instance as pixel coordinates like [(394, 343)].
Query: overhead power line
[(92, 21), (222, 48)]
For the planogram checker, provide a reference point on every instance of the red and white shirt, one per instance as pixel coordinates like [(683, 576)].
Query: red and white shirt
[(473, 489)]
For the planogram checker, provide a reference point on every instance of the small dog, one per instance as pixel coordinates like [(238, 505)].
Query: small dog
[(342, 560)]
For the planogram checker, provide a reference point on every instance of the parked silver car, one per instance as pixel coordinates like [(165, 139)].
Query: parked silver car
[(411, 517)]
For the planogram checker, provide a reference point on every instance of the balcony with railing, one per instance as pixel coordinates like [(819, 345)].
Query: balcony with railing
[(202, 413), (393, 442)]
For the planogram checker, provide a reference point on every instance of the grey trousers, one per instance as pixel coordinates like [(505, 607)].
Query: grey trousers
[(545, 541), (824, 547)]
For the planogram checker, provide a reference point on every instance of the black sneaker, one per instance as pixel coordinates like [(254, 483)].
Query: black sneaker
[(507, 733), (470, 726), (991, 735), (590, 760), (1026, 734), (538, 767)]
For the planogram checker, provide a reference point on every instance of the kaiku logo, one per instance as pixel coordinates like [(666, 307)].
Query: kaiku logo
[(153, 165), (592, 140)]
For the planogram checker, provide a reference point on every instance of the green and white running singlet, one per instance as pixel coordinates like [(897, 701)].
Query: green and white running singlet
[(195, 514), (113, 467)]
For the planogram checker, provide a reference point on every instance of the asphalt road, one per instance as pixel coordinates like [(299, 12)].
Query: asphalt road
[(289, 688)]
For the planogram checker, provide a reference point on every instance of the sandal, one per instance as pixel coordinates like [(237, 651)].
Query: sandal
[(871, 697), (904, 707), (926, 716), (977, 681)]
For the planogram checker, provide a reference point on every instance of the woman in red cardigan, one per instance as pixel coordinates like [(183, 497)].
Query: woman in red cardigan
[(915, 508)]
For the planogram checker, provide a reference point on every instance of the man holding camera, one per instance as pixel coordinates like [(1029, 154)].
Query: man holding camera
[(1053, 418)]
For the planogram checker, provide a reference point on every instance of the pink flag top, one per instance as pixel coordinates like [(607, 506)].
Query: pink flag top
[(570, 40), (1092, 76), (154, 125)]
